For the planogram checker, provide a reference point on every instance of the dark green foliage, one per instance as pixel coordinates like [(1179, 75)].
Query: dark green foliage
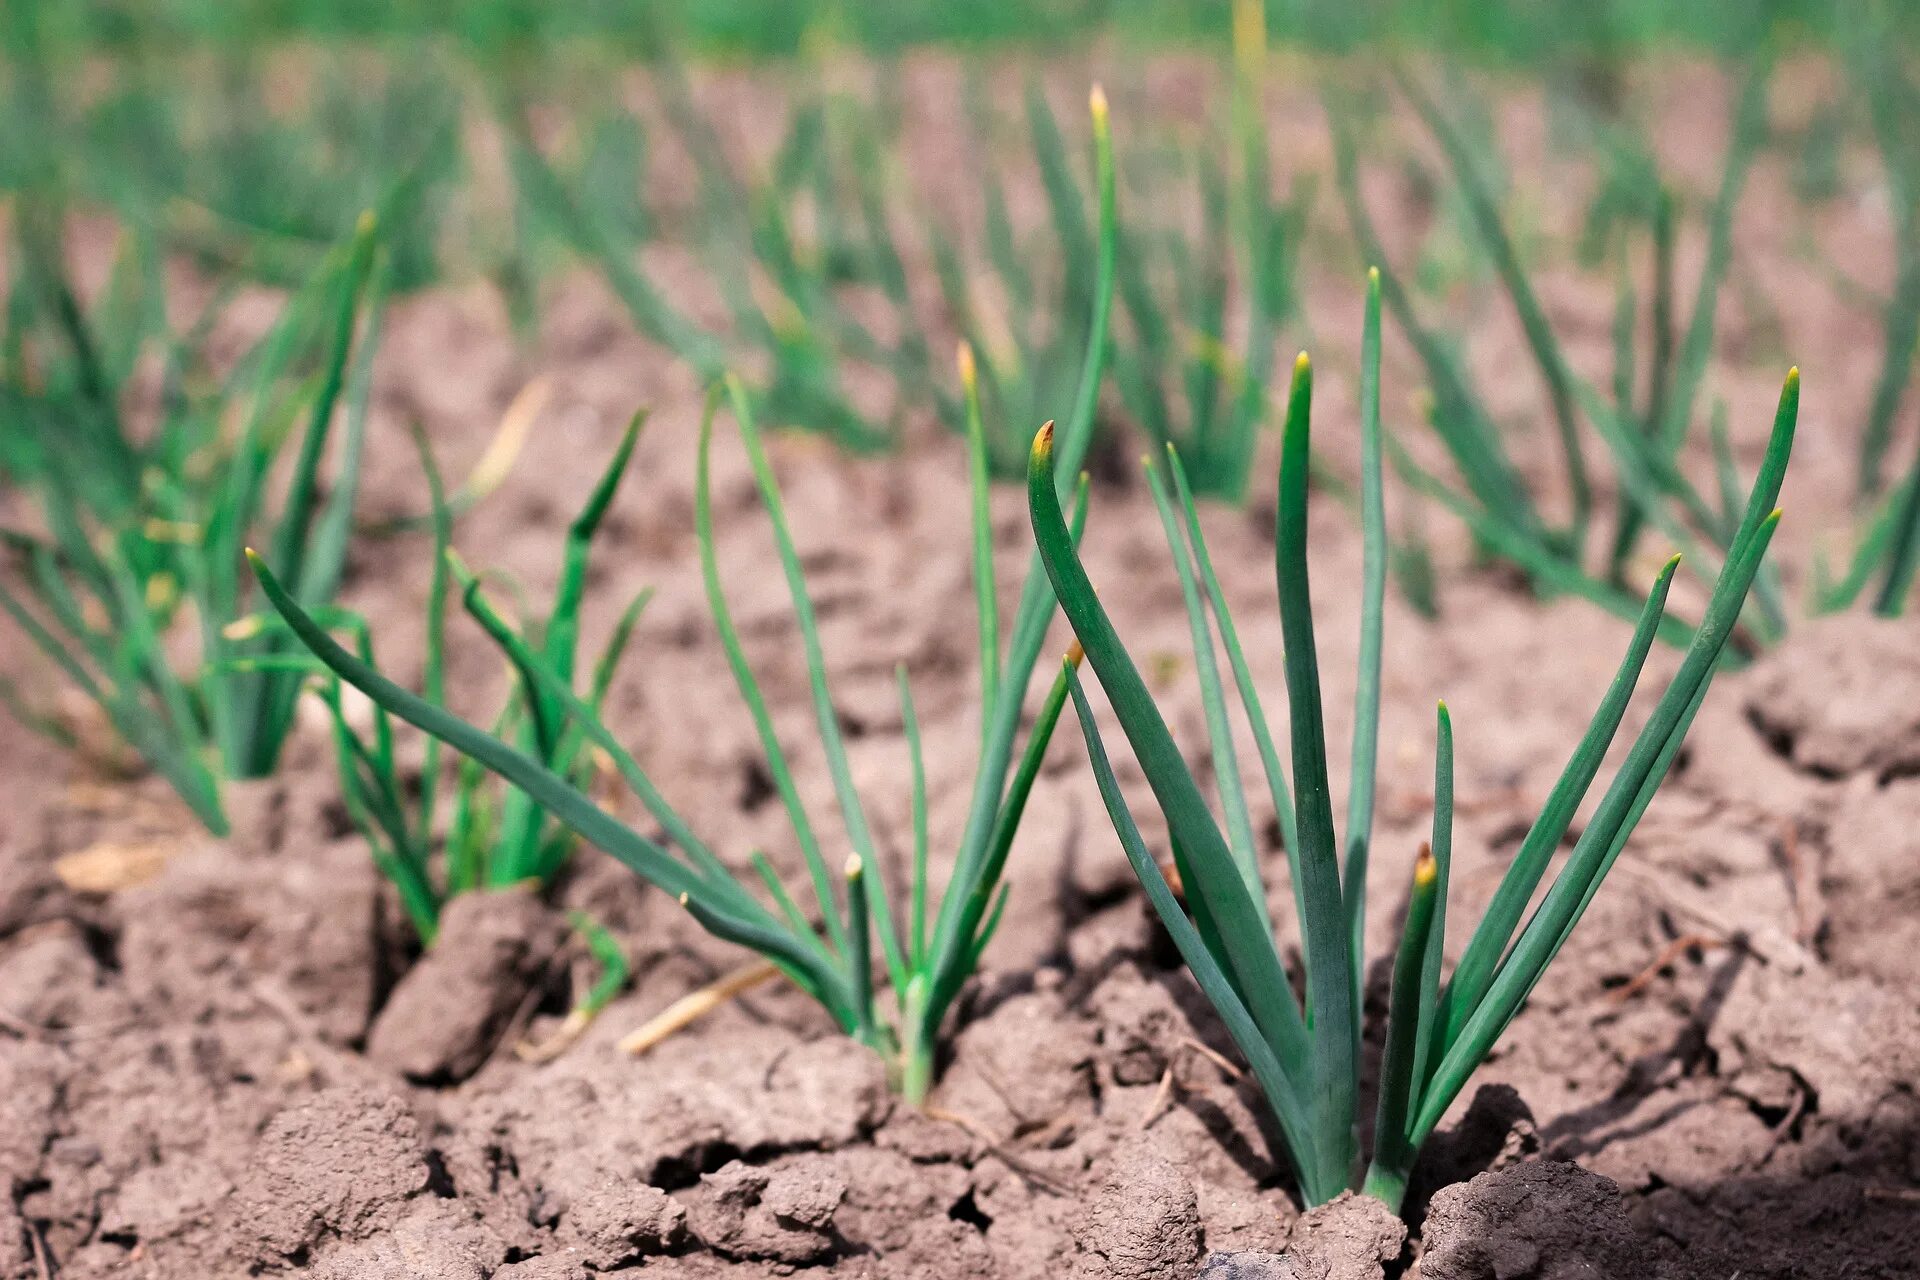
[(1304, 1055)]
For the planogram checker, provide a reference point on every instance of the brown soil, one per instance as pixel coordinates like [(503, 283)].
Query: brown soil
[(219, 1058)]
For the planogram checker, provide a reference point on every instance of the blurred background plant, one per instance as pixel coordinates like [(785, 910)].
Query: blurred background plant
[(127, 573)]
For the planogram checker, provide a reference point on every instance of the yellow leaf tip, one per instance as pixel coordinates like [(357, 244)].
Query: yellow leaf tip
[(1373, 276), (1043, 443), (855, 867), (1076, 654), (1425, 868), (1097, 105), (964, 358), (1302, 364)]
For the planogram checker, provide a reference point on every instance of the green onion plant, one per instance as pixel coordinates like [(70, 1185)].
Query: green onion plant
[(785, 293), (1305, 1053), (1245, 257), (927, 948), (433, 843), (1642, 432), (140, 532), (1644, 436), (435, 836), (1021, 302), (1892, 98)]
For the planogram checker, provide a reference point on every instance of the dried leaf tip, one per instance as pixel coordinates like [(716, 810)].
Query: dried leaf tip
[(1097, 104), (1043, 444), (685, 901), (855, 867), (964, 358), (1302, 365), (1425, 868), (1373, 277), (1075, 655)]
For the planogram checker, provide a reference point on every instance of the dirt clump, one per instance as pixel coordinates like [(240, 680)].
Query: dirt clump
[(436, 1240), (1350, 1237), (608, 1221), (51, 980), (1541, 1220), (1247, 1265), (1497, 1131), (781, 1215), (220, 932), (550, 1267), (591, 1148), (1027, 1063), (1144, 1221), (1842, 696), (447, 1014), (341, 1165)]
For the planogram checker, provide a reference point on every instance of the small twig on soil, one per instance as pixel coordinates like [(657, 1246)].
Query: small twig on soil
[(1809, 910), (995, 1147), (1668, 954), (571, 1028), (60, 1035), (1900, 1195), (27, 1030), (1024, 1122), (1033, 1130), (1212, 1055), (516, 1030), (37, 1245), (1795, 1109), (1764, 942), (1165, 1089), (1159, 1099), (690, 1008)]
